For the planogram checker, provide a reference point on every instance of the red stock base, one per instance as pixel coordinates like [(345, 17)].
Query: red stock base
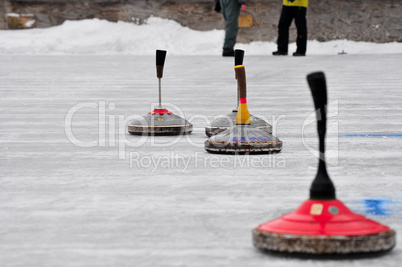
[(160, 112), (160, 122), (323, 227)]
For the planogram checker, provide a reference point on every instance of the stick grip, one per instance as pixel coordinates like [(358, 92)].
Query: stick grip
[(160, 62), (239, 56), (318, 87), (241, 80)]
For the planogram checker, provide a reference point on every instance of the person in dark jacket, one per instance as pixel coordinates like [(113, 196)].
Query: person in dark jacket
[(230, 11), (292, 9)]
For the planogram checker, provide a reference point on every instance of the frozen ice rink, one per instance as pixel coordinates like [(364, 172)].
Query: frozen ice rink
[(77, 190)]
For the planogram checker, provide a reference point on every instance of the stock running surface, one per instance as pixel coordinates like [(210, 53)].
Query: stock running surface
[(77, 189)]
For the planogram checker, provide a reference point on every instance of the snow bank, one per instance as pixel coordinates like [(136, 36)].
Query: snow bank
[(103, 37)]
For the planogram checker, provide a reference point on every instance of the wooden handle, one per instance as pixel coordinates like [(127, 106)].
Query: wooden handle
[(160, 62), (241, 80)]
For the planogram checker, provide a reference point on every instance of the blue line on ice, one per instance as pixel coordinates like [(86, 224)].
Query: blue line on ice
[(378, 207), (370, 135)]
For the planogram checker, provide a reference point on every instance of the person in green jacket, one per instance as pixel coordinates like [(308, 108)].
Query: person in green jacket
[(297, 10), (230, 11)]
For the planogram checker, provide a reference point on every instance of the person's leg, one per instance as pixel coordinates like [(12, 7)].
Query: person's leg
[(301, 25), (283, 29), (231, 12)]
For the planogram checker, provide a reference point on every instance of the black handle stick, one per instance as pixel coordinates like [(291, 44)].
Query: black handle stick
[(239, 56), (322, 186), (160, 62)]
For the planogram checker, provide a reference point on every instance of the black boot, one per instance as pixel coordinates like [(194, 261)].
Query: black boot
[(298, 54), (279, 53), (228, 53)]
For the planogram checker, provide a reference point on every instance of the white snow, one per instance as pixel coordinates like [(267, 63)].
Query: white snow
[(30, 22), (13, 15), (102, 37)]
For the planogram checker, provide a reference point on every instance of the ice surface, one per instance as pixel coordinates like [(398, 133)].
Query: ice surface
[(165, 201), (177, 205)]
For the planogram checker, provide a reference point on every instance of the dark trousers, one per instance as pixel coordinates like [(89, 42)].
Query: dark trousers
[(231, 12), (287, 15)]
